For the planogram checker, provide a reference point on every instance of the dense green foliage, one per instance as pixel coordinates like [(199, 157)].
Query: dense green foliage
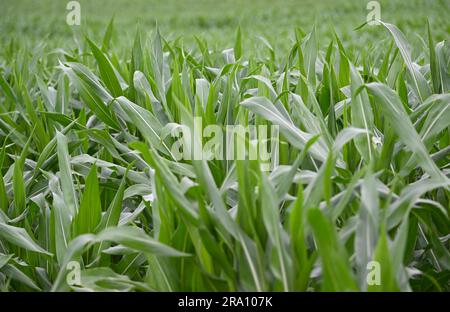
[(43, 21), (363, 157)]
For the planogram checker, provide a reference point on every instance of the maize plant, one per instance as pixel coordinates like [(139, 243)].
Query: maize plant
[(101, 189)]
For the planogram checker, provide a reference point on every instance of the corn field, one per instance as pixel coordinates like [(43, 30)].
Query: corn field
[(92, 197)]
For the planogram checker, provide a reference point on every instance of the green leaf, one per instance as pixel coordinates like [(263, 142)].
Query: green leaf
[(137, 239), (107, 72), (19, 237), (18, 181), (383, 258), (147, 124), (271, 219), (90, 210), (420, 85), (238, 44), (295, 136), (336, 272), (94, 95), (362, 116), (67, 187), (108, 35), (399, 120), (433, 62)]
